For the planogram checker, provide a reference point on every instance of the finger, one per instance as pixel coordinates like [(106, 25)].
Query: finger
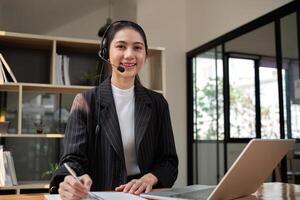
[(120, 188), (62, 197), (87, 181), (65, 190), (135, 186), (148, 188), (66, 195), (75, 188), (128, 186), (141, 189), (78, 186), (70, 196)]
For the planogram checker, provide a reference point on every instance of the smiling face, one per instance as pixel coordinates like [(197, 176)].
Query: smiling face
[(128, 50)]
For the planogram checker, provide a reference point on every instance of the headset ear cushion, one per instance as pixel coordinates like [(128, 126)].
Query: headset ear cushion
[(104, 53)]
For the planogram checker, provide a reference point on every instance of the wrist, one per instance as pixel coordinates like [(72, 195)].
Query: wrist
[(153, 178)]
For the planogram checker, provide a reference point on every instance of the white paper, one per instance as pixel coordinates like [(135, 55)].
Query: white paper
[(105, 196)]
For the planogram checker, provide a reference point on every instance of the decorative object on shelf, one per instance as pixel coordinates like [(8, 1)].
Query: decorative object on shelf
[(3, 124), (91, 77), (3, 77), (39, 127), (53, 168)]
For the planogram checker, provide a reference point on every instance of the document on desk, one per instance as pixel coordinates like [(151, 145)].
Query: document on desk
[(104, 196)]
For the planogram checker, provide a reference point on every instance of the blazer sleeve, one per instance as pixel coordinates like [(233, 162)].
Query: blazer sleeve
[(166, 167), (75, 142)]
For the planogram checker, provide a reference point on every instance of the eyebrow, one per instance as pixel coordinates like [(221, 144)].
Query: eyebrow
[(123, 42)]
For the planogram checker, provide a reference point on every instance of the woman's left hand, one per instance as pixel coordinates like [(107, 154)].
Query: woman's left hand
[(137, 186)]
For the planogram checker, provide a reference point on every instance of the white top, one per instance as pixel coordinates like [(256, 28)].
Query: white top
[(124, 101)]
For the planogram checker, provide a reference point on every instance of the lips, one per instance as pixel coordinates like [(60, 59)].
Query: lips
[(128, 65)]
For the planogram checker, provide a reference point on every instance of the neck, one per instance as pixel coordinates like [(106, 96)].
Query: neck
[(122, 83)]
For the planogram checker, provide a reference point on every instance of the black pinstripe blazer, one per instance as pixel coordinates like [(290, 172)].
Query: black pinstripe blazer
[(93, 143)]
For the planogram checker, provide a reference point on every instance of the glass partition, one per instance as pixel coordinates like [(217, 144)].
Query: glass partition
[(290, 62), (253, 82), (241, 86), (208, 96), (208, 115)]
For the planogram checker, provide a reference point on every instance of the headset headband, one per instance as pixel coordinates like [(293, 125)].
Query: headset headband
[(103, 45)]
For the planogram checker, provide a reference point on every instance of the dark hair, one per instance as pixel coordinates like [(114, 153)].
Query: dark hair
[(111, 31)]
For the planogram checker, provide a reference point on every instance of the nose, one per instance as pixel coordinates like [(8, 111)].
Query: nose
[(129, 54)]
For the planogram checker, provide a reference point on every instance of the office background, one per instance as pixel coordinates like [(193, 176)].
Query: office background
[(177, 25)]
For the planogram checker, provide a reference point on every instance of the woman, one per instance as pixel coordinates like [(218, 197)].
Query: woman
[(119, 135)]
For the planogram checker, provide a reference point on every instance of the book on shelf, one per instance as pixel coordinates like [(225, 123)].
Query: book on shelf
[(66, 61), (2, 74), (62, 70), (12, 169), (8, 177), (2, 169), (7, 169), (4, 67)]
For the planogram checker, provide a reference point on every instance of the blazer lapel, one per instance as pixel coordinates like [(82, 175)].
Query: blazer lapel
[(109, 118), (142, 113)]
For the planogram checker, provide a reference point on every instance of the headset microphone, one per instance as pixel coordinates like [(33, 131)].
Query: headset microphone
[(119, 68)]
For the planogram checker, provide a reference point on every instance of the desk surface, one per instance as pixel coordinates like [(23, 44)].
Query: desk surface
[(269, 191)]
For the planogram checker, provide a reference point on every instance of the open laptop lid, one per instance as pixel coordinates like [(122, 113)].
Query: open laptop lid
[(247, 173), (251, 168)]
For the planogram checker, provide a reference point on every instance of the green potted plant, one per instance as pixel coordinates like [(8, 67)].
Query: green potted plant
[(89, 77), (52, 169)]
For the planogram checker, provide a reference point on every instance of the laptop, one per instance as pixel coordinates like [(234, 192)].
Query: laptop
[(245, 176)]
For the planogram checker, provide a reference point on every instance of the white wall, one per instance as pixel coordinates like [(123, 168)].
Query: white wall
[(165, 24), (69, 18), (88, 25), (209, 19), (41, 16), (1, 17)]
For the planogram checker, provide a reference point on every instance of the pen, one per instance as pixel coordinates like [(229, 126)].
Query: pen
[(72, 172)]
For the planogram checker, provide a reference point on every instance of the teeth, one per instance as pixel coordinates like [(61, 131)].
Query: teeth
[(128, 65)]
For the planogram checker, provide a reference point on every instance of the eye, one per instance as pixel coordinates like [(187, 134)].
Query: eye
[(138, 48), (120, 46)]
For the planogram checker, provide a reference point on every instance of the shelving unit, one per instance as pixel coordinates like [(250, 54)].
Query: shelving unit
[(33, 60)]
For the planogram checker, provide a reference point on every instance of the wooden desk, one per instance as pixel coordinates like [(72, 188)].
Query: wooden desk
[(269, 191)]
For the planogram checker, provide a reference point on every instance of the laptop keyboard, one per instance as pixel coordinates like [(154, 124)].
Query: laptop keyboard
[(201, 194)]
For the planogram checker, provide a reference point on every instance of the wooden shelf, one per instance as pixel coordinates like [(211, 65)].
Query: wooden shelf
[(28, 185), (152, 51), (25, 135), (35, 87)]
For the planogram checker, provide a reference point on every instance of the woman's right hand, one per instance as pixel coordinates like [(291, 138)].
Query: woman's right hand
[(71, 189)]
